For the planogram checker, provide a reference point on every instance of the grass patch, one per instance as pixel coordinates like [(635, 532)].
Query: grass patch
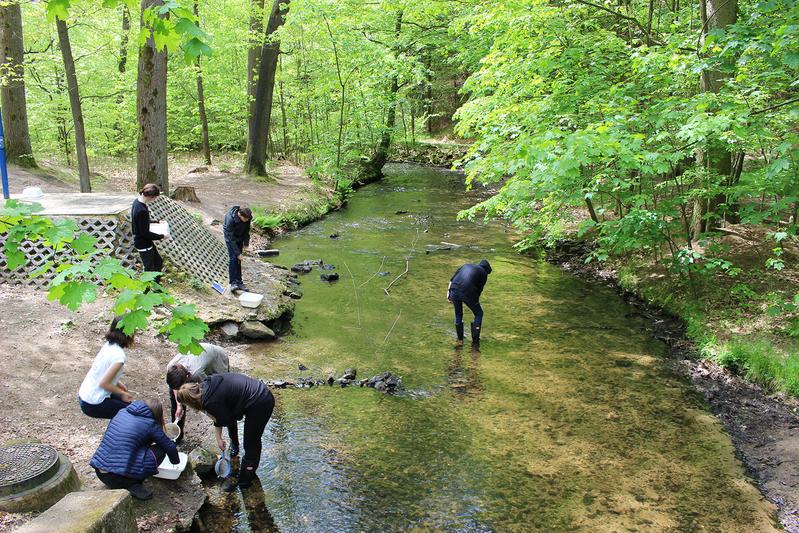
[(318, 203), (760, 362)]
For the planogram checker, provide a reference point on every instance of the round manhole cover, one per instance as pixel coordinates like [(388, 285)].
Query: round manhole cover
[(23, 466)]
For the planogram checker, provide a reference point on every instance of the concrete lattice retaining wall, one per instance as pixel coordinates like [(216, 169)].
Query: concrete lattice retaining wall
[(193, 249)]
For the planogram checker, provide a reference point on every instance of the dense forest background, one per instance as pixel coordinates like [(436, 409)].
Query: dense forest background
[(658, 128)]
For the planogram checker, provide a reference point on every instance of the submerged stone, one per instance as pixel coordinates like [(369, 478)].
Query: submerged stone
[(329, 277), (202, 460), (301, 269)]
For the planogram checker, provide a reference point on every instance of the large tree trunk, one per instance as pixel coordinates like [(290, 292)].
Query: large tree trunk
[(255, 162), (74, 103), (254, 55), (151, 157), (12, 87), (373, 169), (714, 14)]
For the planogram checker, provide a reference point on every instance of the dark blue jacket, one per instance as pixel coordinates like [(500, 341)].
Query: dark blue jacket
[(125, 448), (236, 231), (469, 280)]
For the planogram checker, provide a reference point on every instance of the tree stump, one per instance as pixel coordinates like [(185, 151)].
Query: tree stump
[(185, 193)]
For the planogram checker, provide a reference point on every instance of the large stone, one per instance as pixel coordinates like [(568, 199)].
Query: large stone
[(230, 329), (202, 460), (97, 511), (329, 277), (252, 329)]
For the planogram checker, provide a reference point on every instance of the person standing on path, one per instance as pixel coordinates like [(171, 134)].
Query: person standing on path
[(227, 398), (237, 237), (142, 236), (465, 287), (191, 368), (102, 393)]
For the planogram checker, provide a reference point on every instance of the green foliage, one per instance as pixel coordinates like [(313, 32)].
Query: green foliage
[(567, 109), (80, 270)]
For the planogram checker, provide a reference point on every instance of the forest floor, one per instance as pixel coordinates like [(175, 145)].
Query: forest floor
[(702, 324), (53, 347), (218, 186)]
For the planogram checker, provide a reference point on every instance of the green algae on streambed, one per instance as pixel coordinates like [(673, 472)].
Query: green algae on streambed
[(567, 418)]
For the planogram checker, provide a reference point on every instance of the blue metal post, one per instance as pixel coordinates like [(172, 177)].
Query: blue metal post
[(3, 168)]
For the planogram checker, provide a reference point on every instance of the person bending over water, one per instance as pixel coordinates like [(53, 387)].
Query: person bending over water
[(102, 392), (465, 287), (190, 368), (132, 448), (227, 398)]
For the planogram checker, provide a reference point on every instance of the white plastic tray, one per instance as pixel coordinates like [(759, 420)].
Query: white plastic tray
[(167, 470), (250, 299)]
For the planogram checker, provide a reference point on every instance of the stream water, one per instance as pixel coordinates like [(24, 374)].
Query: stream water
[(567, 418)]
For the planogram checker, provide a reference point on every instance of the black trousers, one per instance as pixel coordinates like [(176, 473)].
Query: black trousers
[(152, 260), (232, 429), (115, 481), (255, 419)]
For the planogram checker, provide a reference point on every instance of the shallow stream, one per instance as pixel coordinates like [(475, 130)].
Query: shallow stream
[(567, 418)]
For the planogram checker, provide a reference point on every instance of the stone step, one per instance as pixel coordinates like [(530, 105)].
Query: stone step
[(97, 511)]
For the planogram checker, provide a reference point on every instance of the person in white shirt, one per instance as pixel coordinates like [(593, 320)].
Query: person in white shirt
[(191, 368), (102, 392)]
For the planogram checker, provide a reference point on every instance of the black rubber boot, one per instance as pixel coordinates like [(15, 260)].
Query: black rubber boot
[(475, 334), (246, 476), (459, 331), (140, 492)]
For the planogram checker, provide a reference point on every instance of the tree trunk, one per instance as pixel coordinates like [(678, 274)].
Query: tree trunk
[(123, 44), (715, 14), (254, 54), (74, 103), (373, 169), (255, 162), (201, 102), (151, 157), (12, 87)]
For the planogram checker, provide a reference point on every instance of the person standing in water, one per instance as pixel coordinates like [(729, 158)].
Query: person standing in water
[(237, 237), (465, 287), (227, 398), (189, 368), (142, 236)]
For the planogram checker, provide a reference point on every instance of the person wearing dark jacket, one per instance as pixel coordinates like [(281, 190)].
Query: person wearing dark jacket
[(142, 236), (126, 455), (237, 237), (465, 287), (227, 398)]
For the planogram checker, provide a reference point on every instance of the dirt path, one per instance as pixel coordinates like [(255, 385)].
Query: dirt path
[(218, 186), (47, 350)]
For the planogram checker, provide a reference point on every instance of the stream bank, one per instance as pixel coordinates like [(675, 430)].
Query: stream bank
[(763, 426)]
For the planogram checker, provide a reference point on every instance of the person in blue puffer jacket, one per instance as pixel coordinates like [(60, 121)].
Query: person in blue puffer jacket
[(132, 448)]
